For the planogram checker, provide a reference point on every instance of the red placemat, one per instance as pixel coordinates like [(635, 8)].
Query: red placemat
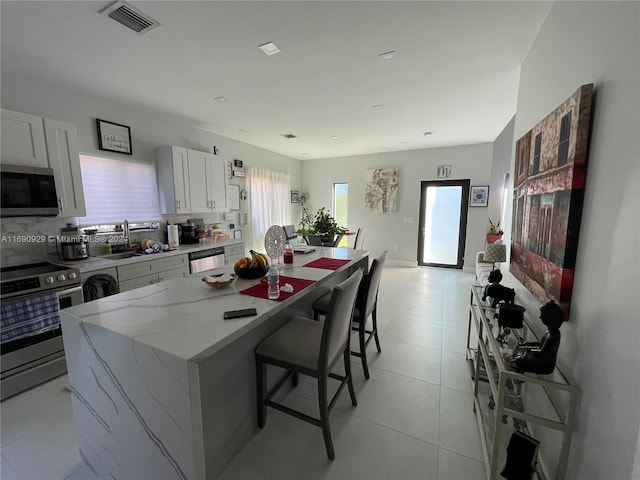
[(328, 263), (261, 291)]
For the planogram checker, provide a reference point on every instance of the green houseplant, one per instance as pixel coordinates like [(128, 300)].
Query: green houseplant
[(322, 225)]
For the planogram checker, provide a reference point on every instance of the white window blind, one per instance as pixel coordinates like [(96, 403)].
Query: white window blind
[(116, 189)]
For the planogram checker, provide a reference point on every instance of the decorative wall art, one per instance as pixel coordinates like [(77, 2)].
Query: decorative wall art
[(550, 171), (381, 190), (444, 171), (113, 137), (295, 196), (479, 196)]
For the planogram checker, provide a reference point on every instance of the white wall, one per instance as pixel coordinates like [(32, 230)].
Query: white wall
[(598, 42), (387, 230), (149, 130)]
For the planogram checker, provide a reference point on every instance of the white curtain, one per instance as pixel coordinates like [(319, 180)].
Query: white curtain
[(269, 199)]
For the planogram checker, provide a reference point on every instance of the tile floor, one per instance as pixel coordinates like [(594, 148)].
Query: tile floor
[(414, 418)]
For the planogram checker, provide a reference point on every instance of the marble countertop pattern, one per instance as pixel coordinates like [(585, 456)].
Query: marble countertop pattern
[(184, 317)]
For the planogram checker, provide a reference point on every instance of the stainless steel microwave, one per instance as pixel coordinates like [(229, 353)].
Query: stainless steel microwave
[(27, 191)]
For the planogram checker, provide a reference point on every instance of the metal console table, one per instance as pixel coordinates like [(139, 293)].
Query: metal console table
[(532, 401)]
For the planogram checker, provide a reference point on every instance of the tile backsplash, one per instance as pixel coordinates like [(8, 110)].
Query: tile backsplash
[(26, 239)]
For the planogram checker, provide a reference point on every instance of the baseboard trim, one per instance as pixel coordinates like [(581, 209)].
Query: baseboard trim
[(401, 263)]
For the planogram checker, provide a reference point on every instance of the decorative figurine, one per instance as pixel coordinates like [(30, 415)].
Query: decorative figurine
[(540, 357), (497, 292)]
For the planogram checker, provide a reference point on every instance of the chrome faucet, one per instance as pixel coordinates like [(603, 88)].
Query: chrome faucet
[(125, 232)]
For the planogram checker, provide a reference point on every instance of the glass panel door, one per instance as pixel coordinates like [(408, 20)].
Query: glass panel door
[(443, 223)]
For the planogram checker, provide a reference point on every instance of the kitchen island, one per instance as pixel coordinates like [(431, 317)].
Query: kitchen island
[(162, 386)]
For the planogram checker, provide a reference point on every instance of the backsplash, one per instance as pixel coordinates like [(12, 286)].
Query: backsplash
[(26, 239)]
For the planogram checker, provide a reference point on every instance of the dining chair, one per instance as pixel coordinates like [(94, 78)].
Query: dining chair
[(360, 238), (366, 306), (312, 348), (336, 240), (291, 234)]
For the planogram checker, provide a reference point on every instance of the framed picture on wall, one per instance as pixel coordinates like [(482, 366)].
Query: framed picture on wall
[(113, 137), (295, 196), (479, 196)]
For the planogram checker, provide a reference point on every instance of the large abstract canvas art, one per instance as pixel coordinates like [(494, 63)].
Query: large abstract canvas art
[(549, 180), (381, 190)]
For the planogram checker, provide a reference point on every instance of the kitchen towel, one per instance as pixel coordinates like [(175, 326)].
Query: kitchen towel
[(29, 315), (328, 263), (261, 291)]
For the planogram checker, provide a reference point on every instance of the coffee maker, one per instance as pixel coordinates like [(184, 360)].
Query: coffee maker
[(189, 231)]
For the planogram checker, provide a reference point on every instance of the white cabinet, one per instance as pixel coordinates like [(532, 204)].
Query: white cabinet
[(40, 142), (173, 180), (23, 140), (64, 159), (191, 181), (141, 274), (233, 253)]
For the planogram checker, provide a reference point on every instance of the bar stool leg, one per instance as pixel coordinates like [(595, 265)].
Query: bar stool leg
[(261, 391), (324, 416)]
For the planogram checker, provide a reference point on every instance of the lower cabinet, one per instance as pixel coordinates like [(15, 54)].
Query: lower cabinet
[(141, 274), (233, 253)]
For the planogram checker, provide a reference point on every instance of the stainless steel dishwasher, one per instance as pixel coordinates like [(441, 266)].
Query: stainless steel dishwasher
[(206, 259)]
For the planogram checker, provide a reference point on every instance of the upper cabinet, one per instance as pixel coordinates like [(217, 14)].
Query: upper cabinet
[(173, 180), (64, 159), (193, 179), (23, 140), (40, 142)]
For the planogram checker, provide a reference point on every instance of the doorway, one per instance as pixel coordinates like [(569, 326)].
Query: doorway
[(443, 223)]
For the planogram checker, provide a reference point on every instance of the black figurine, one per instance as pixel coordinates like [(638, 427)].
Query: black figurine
[(540, 357), (497, 292)]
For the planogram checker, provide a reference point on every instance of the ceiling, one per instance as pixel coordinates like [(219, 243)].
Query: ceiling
[(455, 72)]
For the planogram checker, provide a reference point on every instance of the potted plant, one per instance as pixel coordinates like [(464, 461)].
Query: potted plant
[(495, 232), (323, 226)]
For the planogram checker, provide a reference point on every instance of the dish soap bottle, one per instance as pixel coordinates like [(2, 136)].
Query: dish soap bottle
[(107, 248), (273, 281)]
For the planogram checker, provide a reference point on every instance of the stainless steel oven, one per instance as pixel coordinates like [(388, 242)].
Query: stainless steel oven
[(32, 351)]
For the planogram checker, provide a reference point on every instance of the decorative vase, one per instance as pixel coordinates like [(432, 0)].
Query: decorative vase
[(493, 238)]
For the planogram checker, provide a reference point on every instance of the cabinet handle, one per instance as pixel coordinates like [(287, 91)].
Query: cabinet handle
[(60, 204), (177, 204)]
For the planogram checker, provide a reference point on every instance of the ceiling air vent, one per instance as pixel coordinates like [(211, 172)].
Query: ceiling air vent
[(130, 17), (289, 135)]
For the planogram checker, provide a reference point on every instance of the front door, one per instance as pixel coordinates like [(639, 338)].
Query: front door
[(443, 223)]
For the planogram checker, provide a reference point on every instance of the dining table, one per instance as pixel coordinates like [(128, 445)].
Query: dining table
[(162, 386)]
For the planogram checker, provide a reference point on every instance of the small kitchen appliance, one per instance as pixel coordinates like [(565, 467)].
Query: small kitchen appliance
[(74, 250)]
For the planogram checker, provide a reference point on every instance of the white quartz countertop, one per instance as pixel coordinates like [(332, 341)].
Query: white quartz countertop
[(99, 262), (184, 317)]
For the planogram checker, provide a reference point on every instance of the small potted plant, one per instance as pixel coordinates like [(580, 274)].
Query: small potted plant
[(326, 226), (495, 232)]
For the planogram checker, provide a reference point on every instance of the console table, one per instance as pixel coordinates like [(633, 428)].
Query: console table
[(533, 402)]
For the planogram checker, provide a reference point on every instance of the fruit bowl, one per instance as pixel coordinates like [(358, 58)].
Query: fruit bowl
[(250, 273), (216, 281)]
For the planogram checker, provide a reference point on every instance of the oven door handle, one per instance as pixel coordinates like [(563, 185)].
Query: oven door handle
[(69, 291)]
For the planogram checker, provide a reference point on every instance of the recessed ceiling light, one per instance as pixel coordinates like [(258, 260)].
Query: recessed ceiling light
[(378, 107), (335, 137), (242, 130), (387, 56), (403, 143), (288, 135), (269, 48), (221, 99), (427, 134)]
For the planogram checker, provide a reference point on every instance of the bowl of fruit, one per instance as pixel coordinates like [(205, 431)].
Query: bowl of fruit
[(255, 266)]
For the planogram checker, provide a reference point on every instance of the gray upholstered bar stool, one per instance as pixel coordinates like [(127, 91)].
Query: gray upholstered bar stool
[(312, 348), (366, 306)]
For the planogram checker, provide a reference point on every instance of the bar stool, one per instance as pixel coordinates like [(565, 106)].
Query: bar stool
[(366, 305), (312, 348)]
